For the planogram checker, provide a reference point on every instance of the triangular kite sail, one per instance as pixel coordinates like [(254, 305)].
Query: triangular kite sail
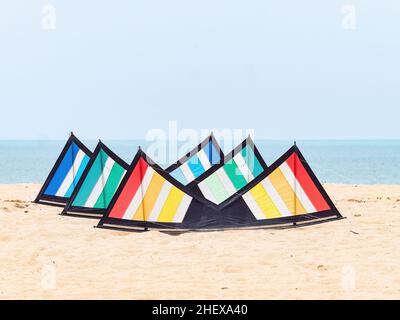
[(99, 182), (285, 192), (240, 167), (290, 190), (148, 193), (198, 161), (65, 174)]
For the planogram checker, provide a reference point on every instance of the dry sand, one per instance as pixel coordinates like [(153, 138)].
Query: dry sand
[(45, 255)]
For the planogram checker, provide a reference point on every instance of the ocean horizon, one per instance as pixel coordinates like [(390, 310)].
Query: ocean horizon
[(333, 161)]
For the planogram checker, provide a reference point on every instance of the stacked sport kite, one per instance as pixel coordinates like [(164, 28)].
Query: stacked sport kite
[(203, 190), (66, 173)]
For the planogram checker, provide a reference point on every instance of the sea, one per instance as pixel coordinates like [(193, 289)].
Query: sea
[(334, 161)]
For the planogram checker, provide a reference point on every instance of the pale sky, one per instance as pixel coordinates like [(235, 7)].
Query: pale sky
[(116, 69)]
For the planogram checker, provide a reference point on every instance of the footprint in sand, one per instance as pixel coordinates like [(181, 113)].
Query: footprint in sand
[(20, 205), (321, 267), (232, 270), (356, 200)]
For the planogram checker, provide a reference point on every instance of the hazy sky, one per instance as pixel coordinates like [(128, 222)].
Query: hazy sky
[(115, 69)]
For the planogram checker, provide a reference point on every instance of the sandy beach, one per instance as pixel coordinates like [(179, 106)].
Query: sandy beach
[(47, 256)]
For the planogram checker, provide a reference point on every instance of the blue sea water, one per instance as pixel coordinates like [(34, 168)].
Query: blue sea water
[(337, 161)]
